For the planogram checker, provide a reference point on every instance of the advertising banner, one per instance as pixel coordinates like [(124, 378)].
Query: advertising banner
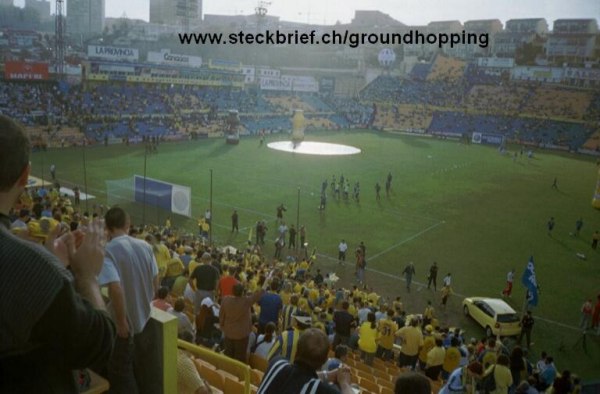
[(290, 83), (540, 74), (585, 74), (487, 138), (113, 53), (25, 71), (166, 57), (496, 62)]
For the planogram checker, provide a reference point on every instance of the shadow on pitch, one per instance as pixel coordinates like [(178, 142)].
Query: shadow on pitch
[(413, 141), (220, 150), (564, 244)]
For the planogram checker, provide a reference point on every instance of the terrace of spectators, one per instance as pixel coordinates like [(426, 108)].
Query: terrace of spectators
[(382, 88), (287, 104), (353, 110), (461, 123), (495, 99), (230, 376), (558, 103), (406, 117), (593, 111), (271, 123), (541, 132), (390, 89), (420, 71), (153, 128), (403, 104), (446, 69), (29, 103), (593, 142), (104, 99)]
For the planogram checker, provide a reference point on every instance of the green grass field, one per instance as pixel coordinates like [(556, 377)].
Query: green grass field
[(475, 212)]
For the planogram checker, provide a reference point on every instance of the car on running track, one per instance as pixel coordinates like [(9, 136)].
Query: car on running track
[(494, 315)]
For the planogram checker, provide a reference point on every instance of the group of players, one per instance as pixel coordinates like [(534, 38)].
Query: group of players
[(341, 189)]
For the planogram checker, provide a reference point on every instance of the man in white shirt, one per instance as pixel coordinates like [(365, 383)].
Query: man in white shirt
[(363, 313), (510, 277), (447, 280), (283, 230), (342, 248), (130, 273)]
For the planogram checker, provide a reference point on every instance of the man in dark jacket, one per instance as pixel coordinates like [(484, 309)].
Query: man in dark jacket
[(53, 320)]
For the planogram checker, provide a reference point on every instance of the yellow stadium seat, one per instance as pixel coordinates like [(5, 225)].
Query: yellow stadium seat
[(394, 370), (226, 374), (257, 362), (199, 363), (378, 363), (363, 367), (351, 362), (386, 390), (387, 383), (212, 376), (364, 374), (381, 374), (256, 376), (370, 386), (232, 386)]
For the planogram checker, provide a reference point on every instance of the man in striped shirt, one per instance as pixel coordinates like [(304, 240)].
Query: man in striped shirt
[(287, 343), (289, 311), (302, 376)]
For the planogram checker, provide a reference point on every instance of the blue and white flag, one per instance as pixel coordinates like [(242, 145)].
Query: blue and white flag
[(168, 196), (529, 281)]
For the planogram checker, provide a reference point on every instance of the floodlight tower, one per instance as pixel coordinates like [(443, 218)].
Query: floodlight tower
[(260, 12), (59, 39)]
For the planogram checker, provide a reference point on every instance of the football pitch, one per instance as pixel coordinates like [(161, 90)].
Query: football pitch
[(475, 212)]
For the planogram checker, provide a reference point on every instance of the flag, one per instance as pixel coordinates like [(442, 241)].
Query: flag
[(529, 281), (181, 200), (168, 196)]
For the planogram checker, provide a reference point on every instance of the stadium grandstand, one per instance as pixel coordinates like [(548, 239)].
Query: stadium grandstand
[(196, 101), (124, 96)]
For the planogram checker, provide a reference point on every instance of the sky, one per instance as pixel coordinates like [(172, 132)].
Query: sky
[(410, 12)]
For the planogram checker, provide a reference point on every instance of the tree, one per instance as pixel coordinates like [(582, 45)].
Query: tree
[(528, 52)]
